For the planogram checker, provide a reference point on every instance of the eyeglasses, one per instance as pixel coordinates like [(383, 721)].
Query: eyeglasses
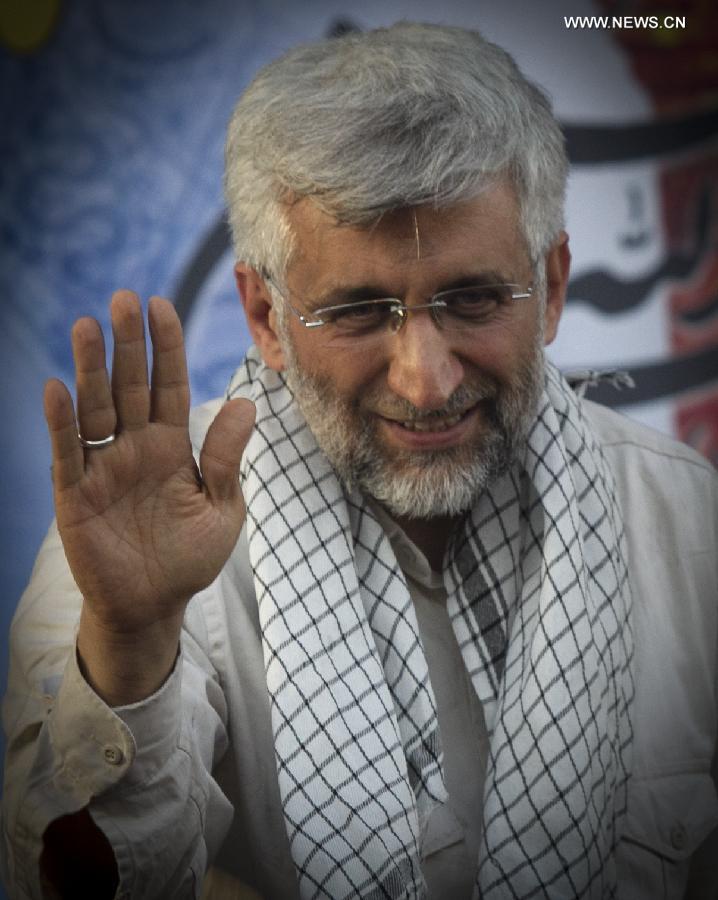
[(458, 309)]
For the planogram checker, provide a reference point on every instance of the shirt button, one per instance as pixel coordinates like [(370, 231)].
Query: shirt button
[(678, 837), (113, 755)]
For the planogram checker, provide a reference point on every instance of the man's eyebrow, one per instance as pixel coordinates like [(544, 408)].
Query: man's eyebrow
[(339, 296), (486, 276)]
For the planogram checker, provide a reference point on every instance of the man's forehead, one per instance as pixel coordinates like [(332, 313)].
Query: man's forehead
[(407, 234)]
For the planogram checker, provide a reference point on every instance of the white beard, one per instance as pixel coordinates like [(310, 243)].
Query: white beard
[(420, 484)]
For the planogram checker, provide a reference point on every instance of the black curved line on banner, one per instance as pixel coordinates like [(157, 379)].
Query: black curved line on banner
[(661, 379), (213, 247), (611, 295), (622, 143)]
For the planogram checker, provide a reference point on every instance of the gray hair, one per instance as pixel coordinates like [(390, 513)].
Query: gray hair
[(397, 117)]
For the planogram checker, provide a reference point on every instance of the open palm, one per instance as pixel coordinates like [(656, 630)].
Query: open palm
[(142, 529)]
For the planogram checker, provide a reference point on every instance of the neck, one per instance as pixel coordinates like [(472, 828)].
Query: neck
[(430, 535)]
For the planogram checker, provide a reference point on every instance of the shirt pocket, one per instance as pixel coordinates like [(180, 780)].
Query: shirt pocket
[(668, 818)]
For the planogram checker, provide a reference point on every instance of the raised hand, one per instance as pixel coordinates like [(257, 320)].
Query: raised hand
[(142, 530)]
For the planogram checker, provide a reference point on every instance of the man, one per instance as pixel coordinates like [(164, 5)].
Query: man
[(400, 660)]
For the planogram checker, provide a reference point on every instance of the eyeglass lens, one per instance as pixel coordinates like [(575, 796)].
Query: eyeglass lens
[(454, 310)]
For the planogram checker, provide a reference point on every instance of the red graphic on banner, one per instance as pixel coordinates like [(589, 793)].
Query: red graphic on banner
[(678, 66)]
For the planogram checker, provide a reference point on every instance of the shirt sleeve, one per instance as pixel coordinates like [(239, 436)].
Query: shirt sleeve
[(143, 771)]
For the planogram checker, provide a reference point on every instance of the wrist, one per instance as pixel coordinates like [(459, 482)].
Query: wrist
[(125, 667)]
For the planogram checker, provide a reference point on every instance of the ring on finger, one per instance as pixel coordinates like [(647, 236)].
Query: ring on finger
[(95, 445)]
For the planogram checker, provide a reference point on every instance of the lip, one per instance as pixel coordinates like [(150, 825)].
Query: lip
[(430, 440)]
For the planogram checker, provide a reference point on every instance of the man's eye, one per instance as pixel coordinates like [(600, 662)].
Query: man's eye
[(476, 302), (358, 315)]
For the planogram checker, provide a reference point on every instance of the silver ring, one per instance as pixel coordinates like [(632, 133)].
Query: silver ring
[(94, 445)]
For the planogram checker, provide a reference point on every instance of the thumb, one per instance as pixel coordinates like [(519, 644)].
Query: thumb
[(223, 448)]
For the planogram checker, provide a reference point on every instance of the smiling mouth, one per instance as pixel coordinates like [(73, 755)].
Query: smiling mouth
[(431, 424)]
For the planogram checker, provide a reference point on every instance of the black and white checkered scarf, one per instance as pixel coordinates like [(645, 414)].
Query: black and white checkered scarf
[(540, 604)]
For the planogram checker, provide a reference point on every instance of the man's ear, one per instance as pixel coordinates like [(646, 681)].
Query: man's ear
[(558, 266), (261, 315)]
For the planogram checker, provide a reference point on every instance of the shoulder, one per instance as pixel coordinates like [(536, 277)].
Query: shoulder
[(619, 434), (663, 475), (668, 496)]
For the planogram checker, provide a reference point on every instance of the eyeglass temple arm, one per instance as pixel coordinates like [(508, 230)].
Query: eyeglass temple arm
[(266, 274), (523, 295)]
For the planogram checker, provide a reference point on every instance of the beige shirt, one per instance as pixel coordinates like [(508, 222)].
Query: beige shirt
[(451, 845), (188, 776)]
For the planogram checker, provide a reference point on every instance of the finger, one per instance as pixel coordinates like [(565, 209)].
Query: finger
[(130, 389), (170, 385), (68, 464), (95, 408), (223, 448)]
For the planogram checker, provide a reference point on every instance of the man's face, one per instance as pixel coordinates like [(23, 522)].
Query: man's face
[(422, 419)]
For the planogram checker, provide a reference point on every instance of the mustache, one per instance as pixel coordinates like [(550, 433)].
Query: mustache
[(463, 398)]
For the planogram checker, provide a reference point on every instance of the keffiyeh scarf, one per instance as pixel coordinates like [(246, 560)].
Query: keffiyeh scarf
[(539, 602)]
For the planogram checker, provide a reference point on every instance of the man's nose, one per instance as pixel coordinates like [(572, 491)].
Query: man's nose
[(423, 368)]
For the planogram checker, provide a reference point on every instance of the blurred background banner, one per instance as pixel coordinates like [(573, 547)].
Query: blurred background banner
[(111, 133)]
